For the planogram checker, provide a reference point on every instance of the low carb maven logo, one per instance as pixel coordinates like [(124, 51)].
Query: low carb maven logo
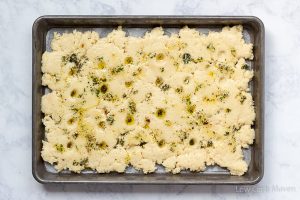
[(265, 188)]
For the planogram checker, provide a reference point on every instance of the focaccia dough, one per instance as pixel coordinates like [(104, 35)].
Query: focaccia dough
[(182, 101)]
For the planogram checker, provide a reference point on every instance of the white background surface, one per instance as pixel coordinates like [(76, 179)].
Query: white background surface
[(282, 117)]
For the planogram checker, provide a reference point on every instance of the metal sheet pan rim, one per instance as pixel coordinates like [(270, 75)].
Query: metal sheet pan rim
[(204, 179)]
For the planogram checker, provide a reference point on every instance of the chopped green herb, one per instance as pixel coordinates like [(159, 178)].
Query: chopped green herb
[(73, 71), (103, 79), (95, 80), (77, 62), (132, 107), (183, 135), (97, 91), (198, 87), (137, 72), (187, 100), (120, 141), (110, 119), (83, 162), (172, 147), (245, 66), (60, 148), (243, 98), (202, 119), (235, 128), (222, 95), (211, 47), (75, 135), (102, 145), (168, 123), (151, 55), (158, 81), (179, 90), (225, 68), (186, 80), (128, 60), (148, 96), (165, 87), (108, 97), (209, 143), (191, 108), (147, 122), (101, 63), (198, 60), (142, 143), (117, 69), (73, 59), (233, 52), (186, 58)]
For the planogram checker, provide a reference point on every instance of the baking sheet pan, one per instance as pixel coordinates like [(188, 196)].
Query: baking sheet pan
[(42, 34)]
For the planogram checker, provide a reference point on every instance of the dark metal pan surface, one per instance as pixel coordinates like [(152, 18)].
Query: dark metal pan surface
[(42, 33)]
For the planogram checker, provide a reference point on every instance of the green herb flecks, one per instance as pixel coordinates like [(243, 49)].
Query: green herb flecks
[(128, 60), (221, 95), (102, 145), (202, 119), (209, 143), (78, 62), (147, 122), (186, 57), (233, 52), (117, 69), (211, 47), (132, 107), (198, 60), (148, 96), (60, 148), (158, 81), (245, 66), (110, 119), (108, 97), (73, 59), (165, 87), (179, 90)]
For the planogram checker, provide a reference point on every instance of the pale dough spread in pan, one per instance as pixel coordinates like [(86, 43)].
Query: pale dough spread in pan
[(179, 100)]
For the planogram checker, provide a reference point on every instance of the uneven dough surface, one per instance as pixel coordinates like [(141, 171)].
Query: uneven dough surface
[(181, 101)]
